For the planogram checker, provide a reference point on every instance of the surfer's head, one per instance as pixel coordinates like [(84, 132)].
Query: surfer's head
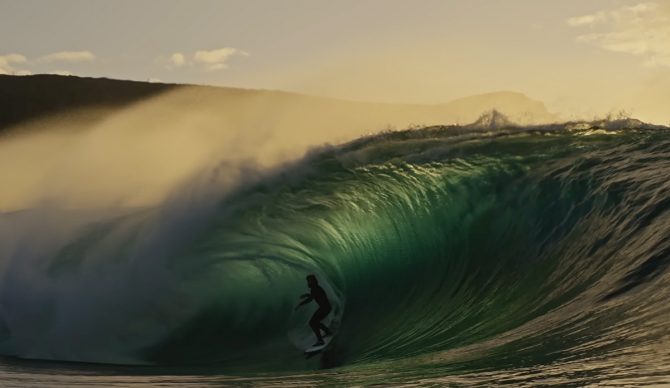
[(311, 280)]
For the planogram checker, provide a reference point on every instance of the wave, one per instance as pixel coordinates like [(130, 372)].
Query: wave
[(465, 247)]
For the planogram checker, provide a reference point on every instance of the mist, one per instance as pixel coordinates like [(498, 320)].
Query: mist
[(137, 155)]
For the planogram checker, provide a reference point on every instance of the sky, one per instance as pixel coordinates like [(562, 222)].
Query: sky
[(580, 57)]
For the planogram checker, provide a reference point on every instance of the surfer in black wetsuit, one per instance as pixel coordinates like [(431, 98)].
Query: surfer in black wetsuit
[(317, 294)]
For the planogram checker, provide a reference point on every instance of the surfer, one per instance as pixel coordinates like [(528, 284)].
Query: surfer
[(317, 294)]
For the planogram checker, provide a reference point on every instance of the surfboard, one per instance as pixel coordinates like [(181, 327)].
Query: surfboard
[(318, 348)]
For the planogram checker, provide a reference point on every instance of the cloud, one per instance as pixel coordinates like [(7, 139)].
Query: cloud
[(60, 72), (177, 60), (588, 20), (641, 30), (68, 57), (216, 59), (8, 61)]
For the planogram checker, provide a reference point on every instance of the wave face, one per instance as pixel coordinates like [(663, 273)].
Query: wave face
[(537, 253)]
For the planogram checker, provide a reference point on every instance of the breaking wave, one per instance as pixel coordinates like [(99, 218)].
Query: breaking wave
[(444, 249)]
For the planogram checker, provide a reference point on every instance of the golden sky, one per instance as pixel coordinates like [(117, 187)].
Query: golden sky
[(581, 57)]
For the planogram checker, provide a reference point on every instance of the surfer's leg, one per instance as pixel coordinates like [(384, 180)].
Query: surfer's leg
[(325, 329), (324, 314), (314, 323)]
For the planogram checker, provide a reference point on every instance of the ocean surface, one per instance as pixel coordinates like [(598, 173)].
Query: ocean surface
[(517, 256)]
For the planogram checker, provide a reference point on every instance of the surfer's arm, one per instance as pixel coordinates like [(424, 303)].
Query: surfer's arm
[(306, 299)]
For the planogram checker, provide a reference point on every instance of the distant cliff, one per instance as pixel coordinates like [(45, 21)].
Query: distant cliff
[(27, 98)]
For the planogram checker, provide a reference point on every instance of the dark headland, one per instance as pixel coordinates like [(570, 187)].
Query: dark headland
[(26, 99)]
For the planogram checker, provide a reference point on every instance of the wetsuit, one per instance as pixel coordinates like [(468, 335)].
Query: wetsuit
[(319, 295)]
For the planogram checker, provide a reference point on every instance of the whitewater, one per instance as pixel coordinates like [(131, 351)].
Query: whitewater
[(477, 254)]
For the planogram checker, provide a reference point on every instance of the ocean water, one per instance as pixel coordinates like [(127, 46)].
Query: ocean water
[(453, 255)]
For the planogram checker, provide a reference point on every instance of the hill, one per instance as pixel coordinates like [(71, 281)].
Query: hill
[(26, 99)]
